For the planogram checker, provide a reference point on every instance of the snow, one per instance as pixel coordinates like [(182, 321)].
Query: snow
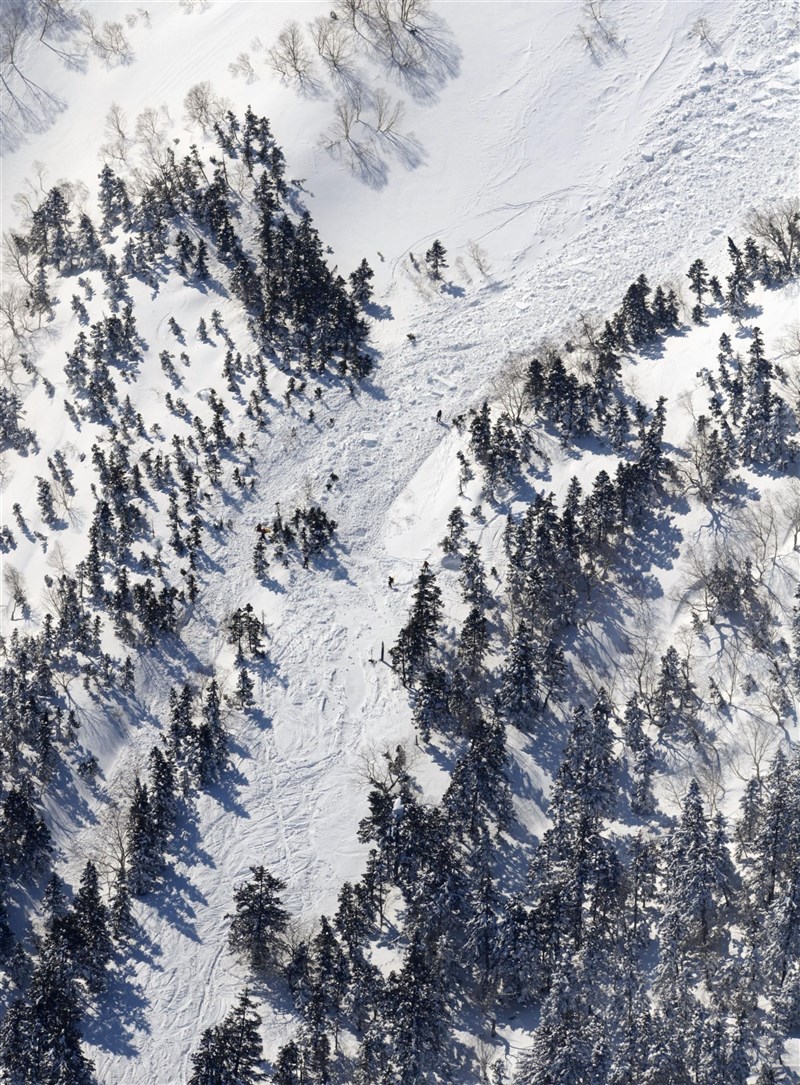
[(573, 175)]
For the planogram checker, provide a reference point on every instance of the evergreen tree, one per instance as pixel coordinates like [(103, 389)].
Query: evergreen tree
[(776, 847), (93, 946), (456, 530), (473, 578), (698, 277), (289, 1067), (473, 642), (639, 321), (145, 856), (256, 932), (47, 1036), (520, 688), (416, 640), (435, 258), (698, 873), (55, 904), (361, 284), (231, 1053), (209, 743), (585, 785), (120, 913), (25, 841), (739, 283), (241, 1043), (208, 1061), (419, 1014), (244, 690), (567, 1033)]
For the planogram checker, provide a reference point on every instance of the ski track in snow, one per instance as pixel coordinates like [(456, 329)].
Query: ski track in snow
[(719, 136)]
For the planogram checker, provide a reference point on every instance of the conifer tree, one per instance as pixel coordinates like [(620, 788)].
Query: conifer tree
[(257, 927), (520, 689), (698, 277), (361, 284), (93, 946), (435, 258), (144, 856), (739, 283), (416, 640), (698, 873)]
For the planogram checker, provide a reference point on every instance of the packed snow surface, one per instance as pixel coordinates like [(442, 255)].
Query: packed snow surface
[(553, 176)]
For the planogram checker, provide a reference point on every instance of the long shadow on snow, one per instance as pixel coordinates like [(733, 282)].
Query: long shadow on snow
[(654, 351), (330, 563), (378, 312), (523, 491), (186, 845), (174, 903), (274, 992), (656, 541), (261, 720), (177, 659), (374, 391), (120, 1014), (601, 641), (226, 790), (67, 795), (514, 849), (439, 59)]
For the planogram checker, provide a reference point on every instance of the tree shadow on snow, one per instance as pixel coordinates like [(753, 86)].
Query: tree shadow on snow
[(261, 720), (186, 845), (226, 790), (378, 312), (120, 1014), (425, 71), (175, 903)]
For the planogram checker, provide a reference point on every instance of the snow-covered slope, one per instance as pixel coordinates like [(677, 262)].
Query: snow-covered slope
[(554, 173)]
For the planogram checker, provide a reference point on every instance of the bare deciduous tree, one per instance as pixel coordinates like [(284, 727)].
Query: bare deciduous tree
[(758, 528), (58, 22), (392, 38), (347, 114), (757, 739), (789, 343), (701, 30), (384, 770), (202, 106), (708, 772), (410, 10), (118, 142), (19, 260), (333, 42), (389, 113), (585, 35), (778, 225), (351, 10), (508, 387), (15, 586), (108, 41), (640, 666), (290, 56), (479, 257), (243, 66), (791, 508), (594, 11), (29, 100)]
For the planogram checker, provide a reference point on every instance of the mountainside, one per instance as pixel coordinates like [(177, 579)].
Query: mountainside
[(400, 524)]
